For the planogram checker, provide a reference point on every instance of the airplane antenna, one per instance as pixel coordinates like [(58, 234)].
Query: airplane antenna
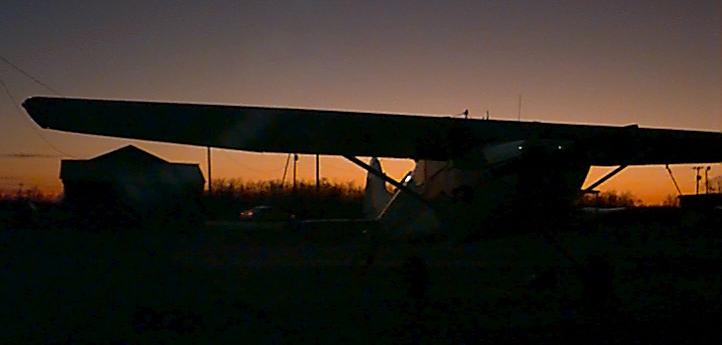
[(464, 113)]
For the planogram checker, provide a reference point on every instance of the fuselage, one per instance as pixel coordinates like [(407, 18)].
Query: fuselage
[(490, 186)]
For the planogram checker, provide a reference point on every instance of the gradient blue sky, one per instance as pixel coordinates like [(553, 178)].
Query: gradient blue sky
[(655, 63)]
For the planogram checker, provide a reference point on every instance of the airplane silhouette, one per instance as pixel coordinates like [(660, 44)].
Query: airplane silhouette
[(468, 172)]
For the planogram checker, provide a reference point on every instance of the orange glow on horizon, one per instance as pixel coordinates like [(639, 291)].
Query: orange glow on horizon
[(610, 63), (652, 184)]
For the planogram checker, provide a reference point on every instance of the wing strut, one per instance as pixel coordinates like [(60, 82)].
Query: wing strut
[(679, 192), (386, 178), (604, 179)]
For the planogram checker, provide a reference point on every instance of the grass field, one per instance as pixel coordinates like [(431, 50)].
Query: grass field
[(645, 276)]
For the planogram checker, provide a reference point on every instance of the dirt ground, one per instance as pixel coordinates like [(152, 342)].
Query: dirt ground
[(644, 276)]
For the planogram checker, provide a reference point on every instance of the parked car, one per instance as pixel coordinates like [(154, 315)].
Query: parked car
[(266, 213)]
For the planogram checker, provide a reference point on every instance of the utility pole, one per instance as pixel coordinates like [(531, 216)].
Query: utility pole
[(518, 118), (295, 159), (208, 160), (285, 170), (697, 178), (318, 186)]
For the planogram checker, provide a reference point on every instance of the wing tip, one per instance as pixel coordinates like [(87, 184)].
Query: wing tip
[(34, 107)]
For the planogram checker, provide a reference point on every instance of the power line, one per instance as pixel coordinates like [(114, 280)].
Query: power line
[(14, 103), (28, 155), (29, 76), (265, 172), (19, 111)]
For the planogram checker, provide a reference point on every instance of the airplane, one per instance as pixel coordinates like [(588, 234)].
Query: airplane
[(469, 173)]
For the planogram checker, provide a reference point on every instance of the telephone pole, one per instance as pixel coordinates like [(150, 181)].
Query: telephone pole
[(318, 186), (295, 160), (697, 178), (208, 160)]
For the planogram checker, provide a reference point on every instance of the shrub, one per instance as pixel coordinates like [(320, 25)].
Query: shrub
[(331, 200), (609, 199)]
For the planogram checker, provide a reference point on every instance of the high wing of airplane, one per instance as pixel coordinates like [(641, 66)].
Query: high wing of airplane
[(468, 171), (328, 132)]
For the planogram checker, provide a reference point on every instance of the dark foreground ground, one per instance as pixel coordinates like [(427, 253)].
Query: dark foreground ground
[(641, 276)]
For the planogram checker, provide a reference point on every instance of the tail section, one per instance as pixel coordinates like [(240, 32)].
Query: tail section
[(376, 197), (399, 213)]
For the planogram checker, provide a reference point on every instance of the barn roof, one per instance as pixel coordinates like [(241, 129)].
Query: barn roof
[(129, 162)]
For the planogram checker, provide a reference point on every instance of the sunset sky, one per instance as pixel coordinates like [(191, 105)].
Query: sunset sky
[(654, 63)]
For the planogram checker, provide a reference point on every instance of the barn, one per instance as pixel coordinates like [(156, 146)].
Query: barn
[(133, 184)]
